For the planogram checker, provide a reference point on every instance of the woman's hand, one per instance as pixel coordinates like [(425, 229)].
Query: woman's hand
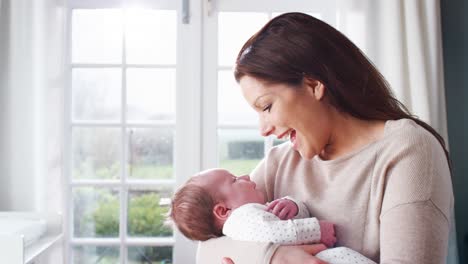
[(293, 255), (298, 254)]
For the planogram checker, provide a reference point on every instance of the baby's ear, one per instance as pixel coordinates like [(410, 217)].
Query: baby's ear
[(221, 212)]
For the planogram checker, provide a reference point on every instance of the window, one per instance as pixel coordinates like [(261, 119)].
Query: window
[(122, 123), (151, 101), (227, 117)]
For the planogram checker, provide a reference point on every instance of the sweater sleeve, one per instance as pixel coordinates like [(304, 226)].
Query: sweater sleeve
[(418, 198), (214, 250), (414, 233), (343, 255)]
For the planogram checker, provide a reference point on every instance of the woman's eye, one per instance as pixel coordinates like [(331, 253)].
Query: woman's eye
[(267, 108)]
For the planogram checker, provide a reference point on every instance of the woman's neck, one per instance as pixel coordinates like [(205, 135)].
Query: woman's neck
[(350, 134)]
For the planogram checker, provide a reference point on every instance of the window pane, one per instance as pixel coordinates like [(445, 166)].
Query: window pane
[(146, 212), (150, 153), (95, 212), (232, 107), (144, 255), (96, 153), (151, 94), (150, 36), (234, 29), (96, 94), (96, 255), (97, 36), (240, 150)]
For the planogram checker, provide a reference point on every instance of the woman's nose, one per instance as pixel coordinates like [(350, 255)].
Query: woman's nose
[(265, 128)]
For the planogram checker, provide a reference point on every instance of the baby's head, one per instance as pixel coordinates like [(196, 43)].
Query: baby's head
[(202, 205)]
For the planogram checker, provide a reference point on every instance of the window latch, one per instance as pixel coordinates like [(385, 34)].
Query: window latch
[(185, 12)]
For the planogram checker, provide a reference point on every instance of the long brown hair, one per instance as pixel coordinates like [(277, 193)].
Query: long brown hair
[(294, 46)]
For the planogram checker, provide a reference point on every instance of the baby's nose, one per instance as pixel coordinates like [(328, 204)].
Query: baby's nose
[(245, 177)]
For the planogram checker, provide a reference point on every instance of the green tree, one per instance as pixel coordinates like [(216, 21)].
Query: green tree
[(145, 218)]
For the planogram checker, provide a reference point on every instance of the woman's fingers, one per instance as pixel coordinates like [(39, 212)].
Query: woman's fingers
[(298, 254), (313, 249), (227, 261)]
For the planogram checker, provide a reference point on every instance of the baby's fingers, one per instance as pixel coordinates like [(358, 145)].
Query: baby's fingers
[(272, 205), (283, 214), (278, 208)]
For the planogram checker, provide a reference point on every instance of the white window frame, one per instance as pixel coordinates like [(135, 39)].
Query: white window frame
[(187, 159)]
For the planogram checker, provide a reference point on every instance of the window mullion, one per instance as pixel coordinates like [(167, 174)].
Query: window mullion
[(188, 112), (210, 92), (69, 218), (124, 149)]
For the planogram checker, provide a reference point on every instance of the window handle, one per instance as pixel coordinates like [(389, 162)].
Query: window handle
[(185, 12), (209, 7)]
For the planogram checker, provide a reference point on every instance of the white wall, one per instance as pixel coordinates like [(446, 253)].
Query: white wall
[(16, 142), (31, 56)]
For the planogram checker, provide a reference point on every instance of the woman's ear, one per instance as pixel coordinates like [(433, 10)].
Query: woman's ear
[(315, 87), (221, 211)]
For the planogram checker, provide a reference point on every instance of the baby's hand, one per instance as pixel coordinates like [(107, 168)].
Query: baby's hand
[(283, 208), (327, 231)]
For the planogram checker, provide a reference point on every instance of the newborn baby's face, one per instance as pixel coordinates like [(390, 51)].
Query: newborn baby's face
[(236, 191)]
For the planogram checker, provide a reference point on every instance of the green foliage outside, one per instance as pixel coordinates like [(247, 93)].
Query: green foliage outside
[(151, 172), (145, 219), (239, 167)]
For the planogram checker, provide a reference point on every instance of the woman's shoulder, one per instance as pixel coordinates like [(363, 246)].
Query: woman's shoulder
[(406, 141), (404, 133)]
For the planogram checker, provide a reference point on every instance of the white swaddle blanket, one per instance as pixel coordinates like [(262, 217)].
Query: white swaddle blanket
[(32, 227)]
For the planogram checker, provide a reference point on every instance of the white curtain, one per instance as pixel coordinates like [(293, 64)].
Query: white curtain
[(32, 45), (404, 40)]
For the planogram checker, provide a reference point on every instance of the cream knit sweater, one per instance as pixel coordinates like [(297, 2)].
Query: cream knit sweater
[(391, 200)]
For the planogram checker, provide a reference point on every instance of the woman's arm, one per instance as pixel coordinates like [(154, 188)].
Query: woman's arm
[(418, 199), (214, 250), (292, 255), (414, 233)]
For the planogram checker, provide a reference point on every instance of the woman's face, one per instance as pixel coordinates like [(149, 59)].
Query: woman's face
[(297, 113)]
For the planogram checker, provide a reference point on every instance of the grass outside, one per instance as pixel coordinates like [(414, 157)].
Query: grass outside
[(153, 172), (239, 167)]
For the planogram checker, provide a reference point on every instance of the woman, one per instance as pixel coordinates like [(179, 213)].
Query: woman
[(357, 157)]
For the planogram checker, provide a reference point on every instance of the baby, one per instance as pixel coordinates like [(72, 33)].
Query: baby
[(216, 203)]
